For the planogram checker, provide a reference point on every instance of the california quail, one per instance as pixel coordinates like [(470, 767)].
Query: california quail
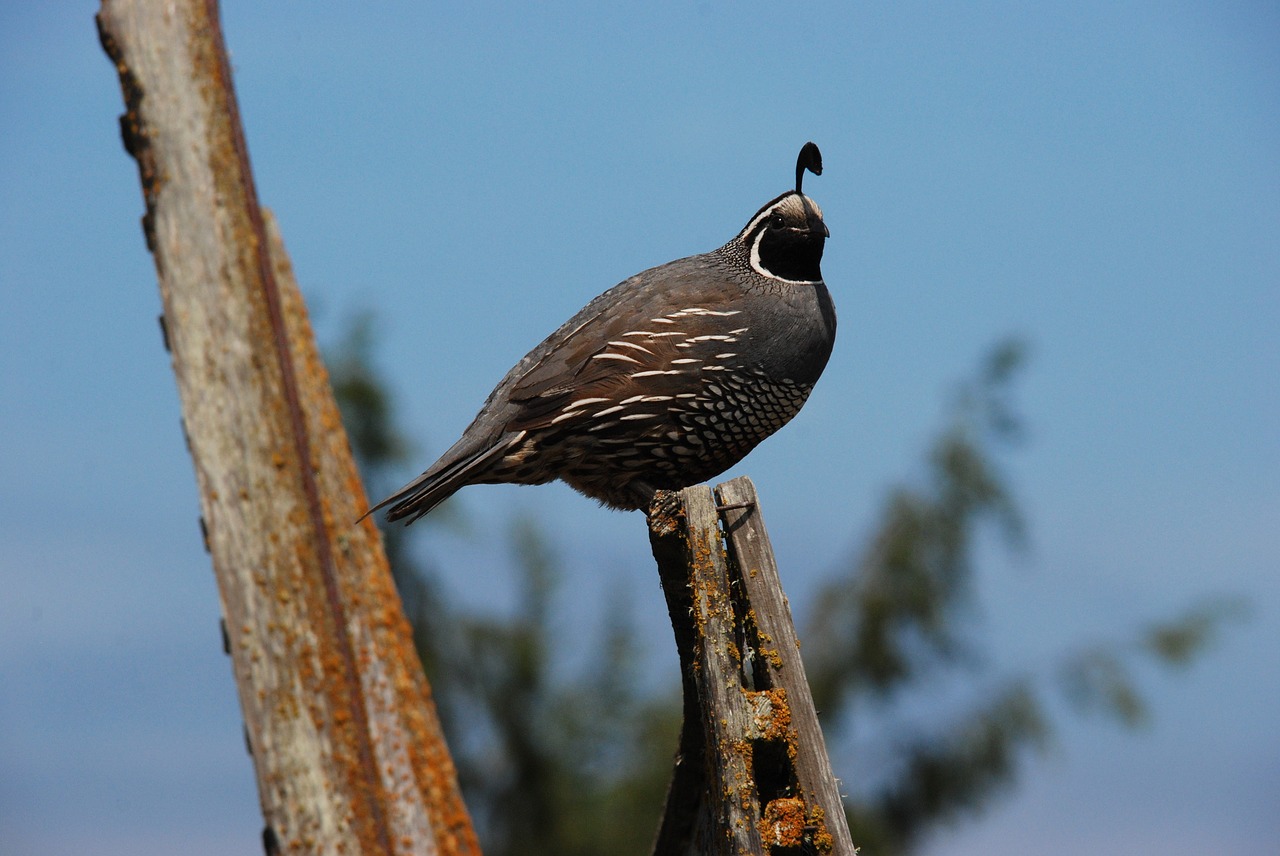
[(666, 379)]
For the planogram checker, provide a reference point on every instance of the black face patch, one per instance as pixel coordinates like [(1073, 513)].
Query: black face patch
[(790, 252)]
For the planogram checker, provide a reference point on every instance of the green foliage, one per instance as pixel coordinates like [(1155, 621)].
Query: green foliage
[(575, 767), (890, 627), (364, 399), (875, 628), (1177, 642), (960, 769), (1099, 678), (578, 766)]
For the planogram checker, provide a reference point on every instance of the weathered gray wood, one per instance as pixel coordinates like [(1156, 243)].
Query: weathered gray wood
[(752, 773), (686, 793), (777, 666), (346, 746), (711, 811)]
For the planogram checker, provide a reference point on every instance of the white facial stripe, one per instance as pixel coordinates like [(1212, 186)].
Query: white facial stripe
[(791, 203), (761, 217)]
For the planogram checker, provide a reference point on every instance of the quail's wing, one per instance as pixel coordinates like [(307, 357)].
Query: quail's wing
[(622, 345)]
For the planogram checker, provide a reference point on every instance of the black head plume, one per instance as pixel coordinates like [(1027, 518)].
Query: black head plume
[(811, 159)]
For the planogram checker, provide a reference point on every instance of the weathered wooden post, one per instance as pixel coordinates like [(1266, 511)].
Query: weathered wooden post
[(752, 774), (346, 745)]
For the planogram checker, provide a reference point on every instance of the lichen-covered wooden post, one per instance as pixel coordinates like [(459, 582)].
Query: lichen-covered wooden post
[(752, 774), (346, 745)]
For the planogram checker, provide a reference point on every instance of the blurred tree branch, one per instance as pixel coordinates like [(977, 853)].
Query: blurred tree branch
[(890, 626)]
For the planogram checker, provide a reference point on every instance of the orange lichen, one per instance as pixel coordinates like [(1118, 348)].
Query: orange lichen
[(783, 823), (822, 839), (771, 716)]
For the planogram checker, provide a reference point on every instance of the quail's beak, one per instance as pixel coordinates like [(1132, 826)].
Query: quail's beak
[(818, 228)]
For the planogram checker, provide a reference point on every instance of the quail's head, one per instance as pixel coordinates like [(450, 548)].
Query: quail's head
[(786, 236)]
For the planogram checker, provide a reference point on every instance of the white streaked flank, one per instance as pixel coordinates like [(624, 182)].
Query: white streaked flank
[(622, 357), (583, 402), (633, 346)]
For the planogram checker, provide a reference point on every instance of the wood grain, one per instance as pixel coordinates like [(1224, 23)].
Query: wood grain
[(346, 746)]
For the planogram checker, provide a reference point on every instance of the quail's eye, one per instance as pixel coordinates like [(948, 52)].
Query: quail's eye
[(777, 221)]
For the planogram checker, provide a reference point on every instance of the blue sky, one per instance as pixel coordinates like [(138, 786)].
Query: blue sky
[(1102, 180)]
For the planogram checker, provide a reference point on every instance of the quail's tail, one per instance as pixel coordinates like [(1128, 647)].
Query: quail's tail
[(464, 464)]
